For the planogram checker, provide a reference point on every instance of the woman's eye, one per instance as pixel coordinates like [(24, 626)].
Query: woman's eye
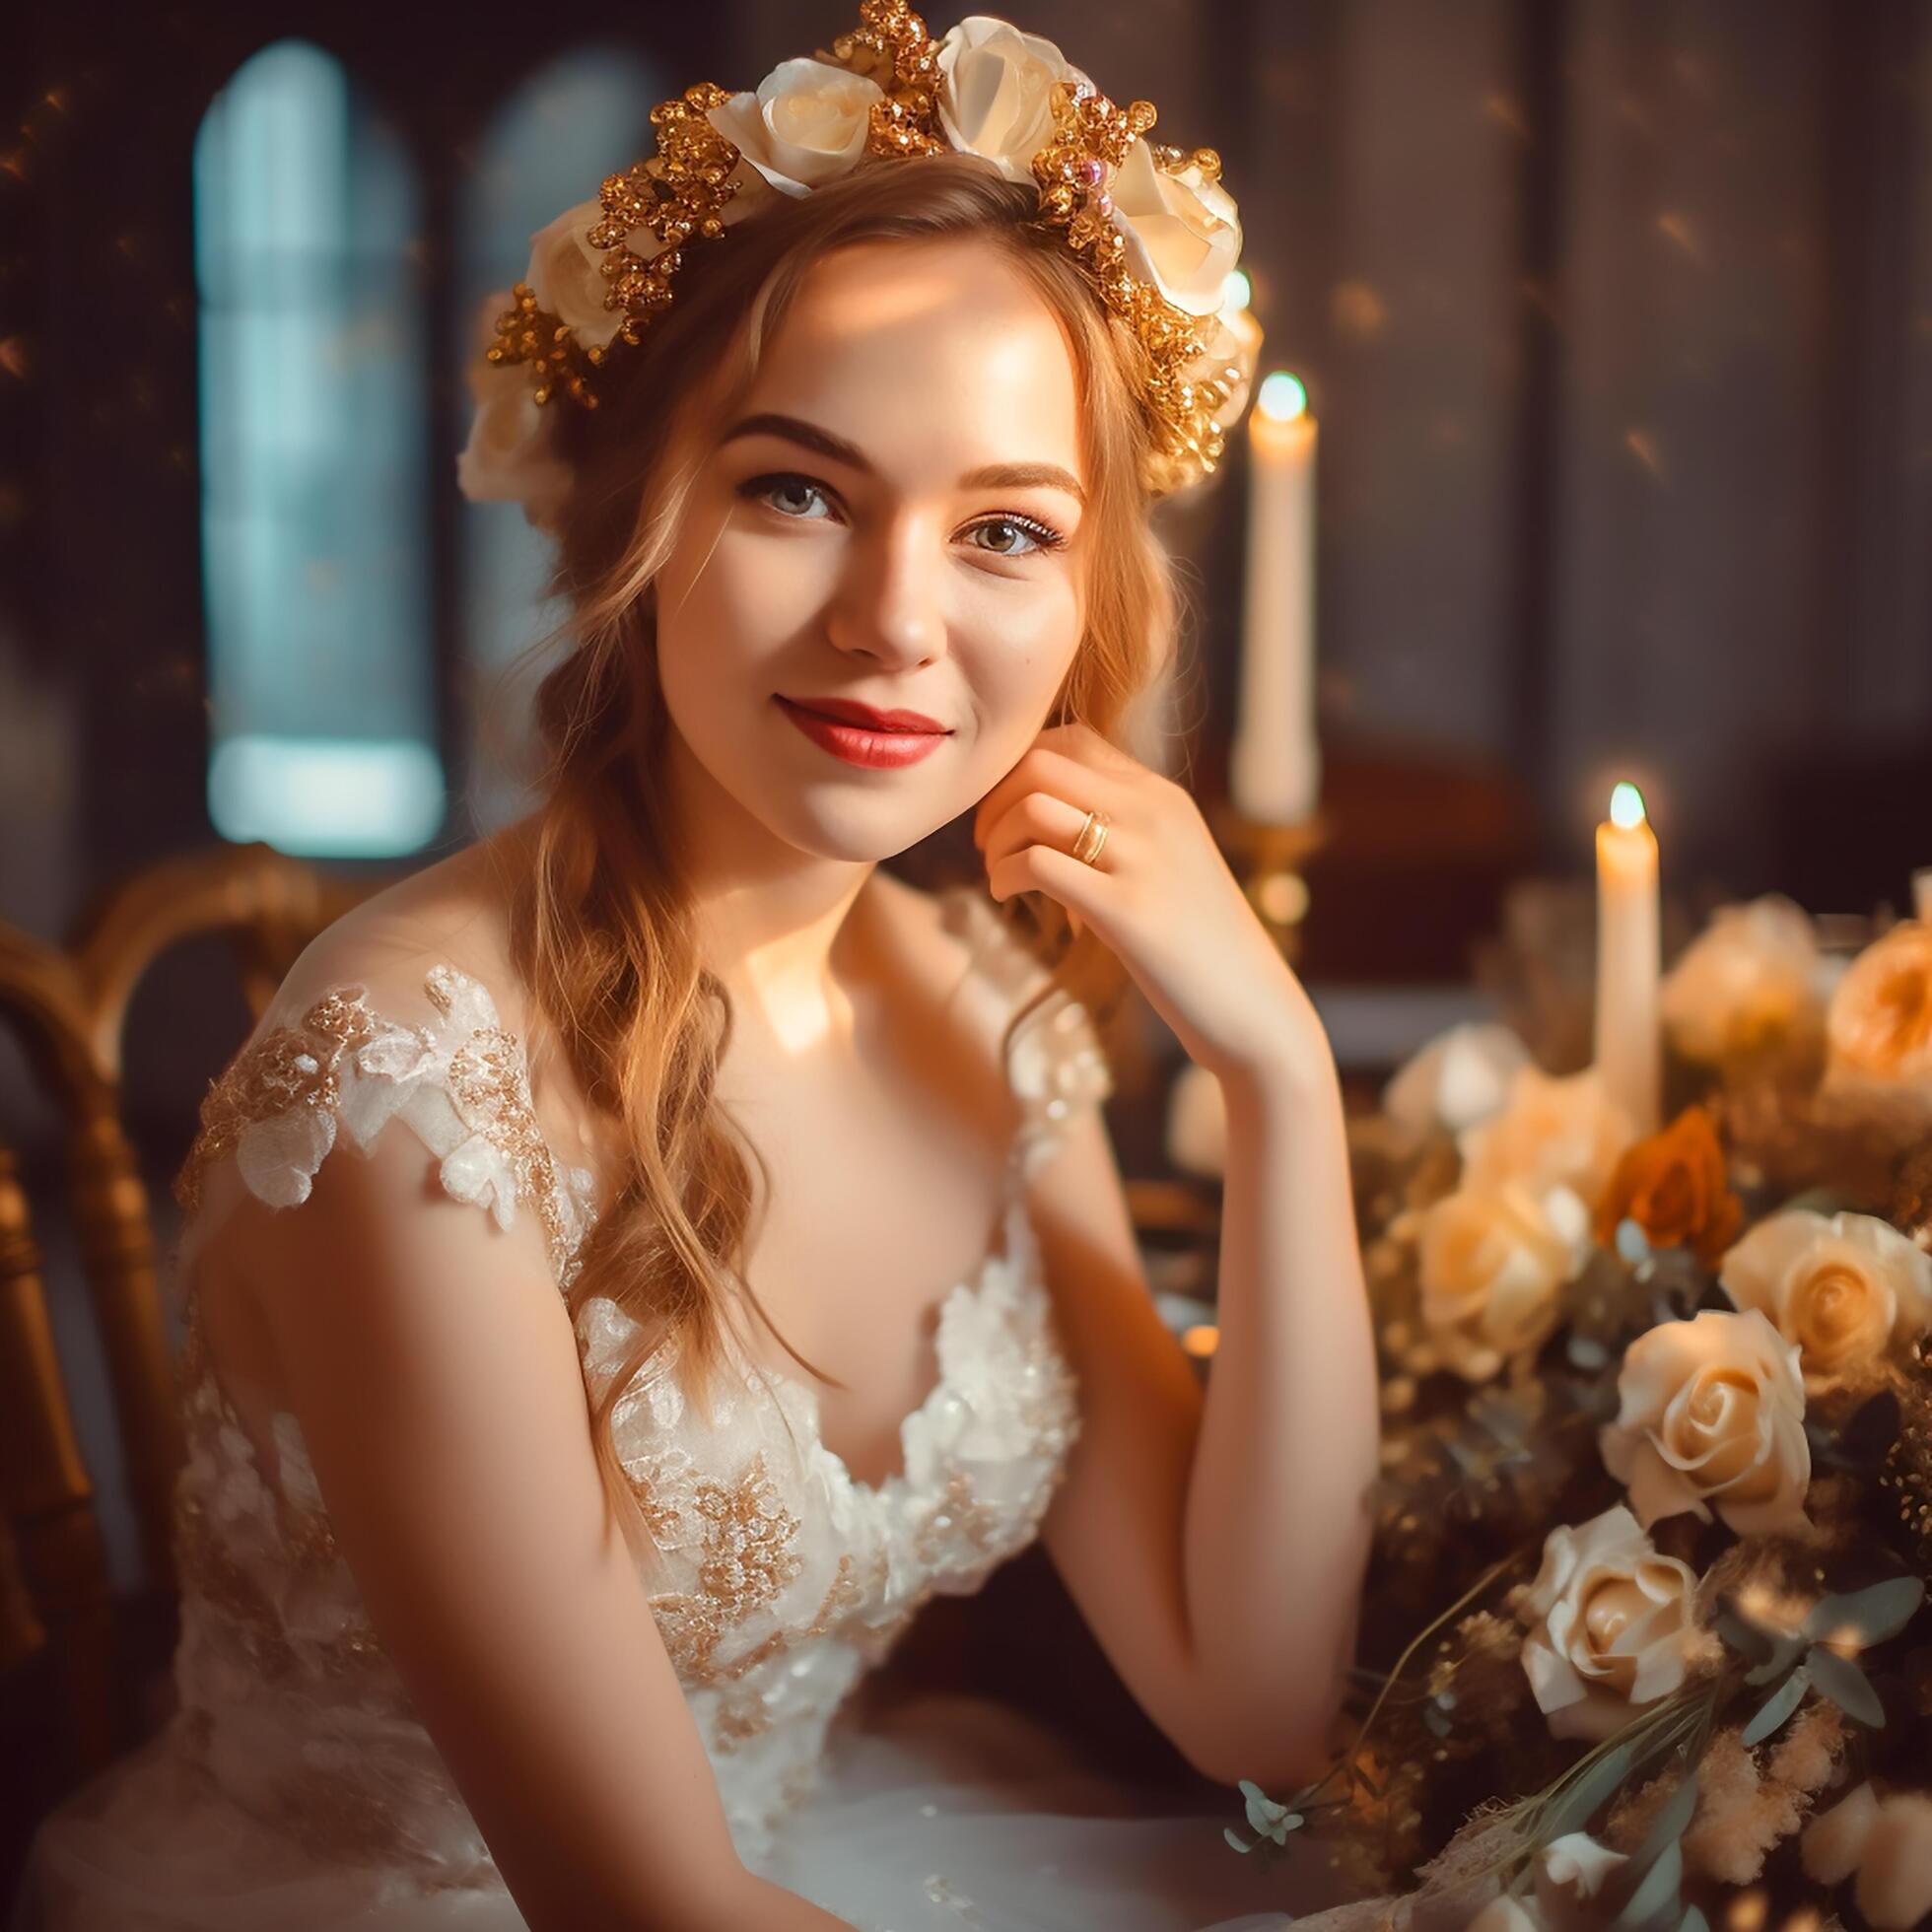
[(772, 489), (1038, 535)]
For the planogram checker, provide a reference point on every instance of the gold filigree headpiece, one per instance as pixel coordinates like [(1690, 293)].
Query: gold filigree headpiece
[(1157, 234)]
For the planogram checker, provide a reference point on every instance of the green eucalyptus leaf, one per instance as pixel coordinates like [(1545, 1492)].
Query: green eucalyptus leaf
[(1878, 1611), (1777, 1707), (1847, 1685), (1693, 1921), (1234, 1838), (1656, 1895), (1786, 1648), (1573, 1807), (1633, 1244), (1667, 1828)]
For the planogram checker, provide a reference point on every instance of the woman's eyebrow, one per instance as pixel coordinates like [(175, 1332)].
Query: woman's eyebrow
[(990, 476)]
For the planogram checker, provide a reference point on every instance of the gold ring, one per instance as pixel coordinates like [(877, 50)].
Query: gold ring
[(1092, 836)]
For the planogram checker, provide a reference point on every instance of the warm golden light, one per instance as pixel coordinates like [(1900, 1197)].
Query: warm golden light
[(1201, 1339), (1282, 396), (1625, 805)]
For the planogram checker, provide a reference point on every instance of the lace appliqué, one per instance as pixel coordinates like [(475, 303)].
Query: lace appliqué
[(463, 1086)]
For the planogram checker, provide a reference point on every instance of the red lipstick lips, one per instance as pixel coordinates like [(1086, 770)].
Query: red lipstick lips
[(861, 736), (852, 713)]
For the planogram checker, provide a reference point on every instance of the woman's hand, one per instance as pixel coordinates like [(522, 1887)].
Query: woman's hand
[(1160, 895)]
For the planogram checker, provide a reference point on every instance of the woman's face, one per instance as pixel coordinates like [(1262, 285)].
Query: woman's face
[(891, 516)]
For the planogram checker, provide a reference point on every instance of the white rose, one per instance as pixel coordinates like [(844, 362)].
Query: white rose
[(509, 457), (1842, 1287), (1571, 1871), (1180, 229), (1712, 1410), (996, 93), (1459, 1077), (1491, 1265), (806, 123), (567, 273), (1834, 1841), (1751, 977), (1611, 1624), (1878, 1024), (1551, 1133)]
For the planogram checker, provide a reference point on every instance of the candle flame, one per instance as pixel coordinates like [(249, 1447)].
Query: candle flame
[(1236, 290), (1282, 398), (1626, 805)]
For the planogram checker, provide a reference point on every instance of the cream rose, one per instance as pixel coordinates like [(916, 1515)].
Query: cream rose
[(1459, 1079), (1712, 1412), (1491, 1265), (996, 94), (509, 457), (804, 125), (1878, 1024), (1748, 979), (1844, 1288), (1551, 1133), (1611, 1624), (1180, 229), (567, 273)]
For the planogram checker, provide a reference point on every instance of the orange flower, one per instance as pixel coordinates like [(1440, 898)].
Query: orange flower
[(1673, 1185)]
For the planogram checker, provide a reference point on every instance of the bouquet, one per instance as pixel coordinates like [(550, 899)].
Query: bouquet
[(1655, 1520)]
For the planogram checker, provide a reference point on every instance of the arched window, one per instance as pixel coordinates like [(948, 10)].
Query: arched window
[(314, 511), (583, 116)]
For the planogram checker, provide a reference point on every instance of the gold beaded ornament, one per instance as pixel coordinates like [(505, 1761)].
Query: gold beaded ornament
[(1197, 367)]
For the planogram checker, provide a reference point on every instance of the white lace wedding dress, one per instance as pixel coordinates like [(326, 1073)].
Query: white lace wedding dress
[(295, 1788)]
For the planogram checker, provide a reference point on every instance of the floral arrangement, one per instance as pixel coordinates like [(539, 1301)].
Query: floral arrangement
[(1655, 1521)]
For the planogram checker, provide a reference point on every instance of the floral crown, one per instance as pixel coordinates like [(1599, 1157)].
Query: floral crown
[(1153, 227)]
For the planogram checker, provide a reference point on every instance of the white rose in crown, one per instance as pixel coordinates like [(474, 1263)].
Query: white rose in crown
[(566, 273), (805, 124), (1491, 1265), (995, 99), (1749, 979), (1844, 1288), (1612, 1623), (1551, 1133), (1711, 1413), (1457, 1079), (1180, 229), (509, 457)]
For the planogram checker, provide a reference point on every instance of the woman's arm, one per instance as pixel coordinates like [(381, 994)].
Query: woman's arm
[(431, 1364), (1278, 1536), (1218, 1552)]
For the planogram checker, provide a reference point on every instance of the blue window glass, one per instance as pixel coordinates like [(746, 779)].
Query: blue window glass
[(314, 511), (583, 116)]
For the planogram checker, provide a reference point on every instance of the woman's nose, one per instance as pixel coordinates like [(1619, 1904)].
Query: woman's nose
[(889, 601)]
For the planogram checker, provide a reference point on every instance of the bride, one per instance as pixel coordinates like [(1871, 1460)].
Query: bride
[(729, 1255)]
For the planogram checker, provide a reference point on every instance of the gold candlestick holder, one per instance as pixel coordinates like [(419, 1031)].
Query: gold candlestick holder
[(1271, 859)]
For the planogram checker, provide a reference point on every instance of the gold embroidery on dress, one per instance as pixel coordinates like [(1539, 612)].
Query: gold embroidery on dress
[(746, 1563), (298, 1067), (293, 1067)]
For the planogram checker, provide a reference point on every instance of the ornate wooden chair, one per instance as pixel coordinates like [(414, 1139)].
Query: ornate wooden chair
[(66, 1644)]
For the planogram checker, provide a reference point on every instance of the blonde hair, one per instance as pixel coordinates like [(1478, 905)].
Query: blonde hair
[(601, 923)]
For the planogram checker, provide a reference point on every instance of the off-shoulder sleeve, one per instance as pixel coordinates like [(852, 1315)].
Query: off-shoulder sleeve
[(460, 1083)]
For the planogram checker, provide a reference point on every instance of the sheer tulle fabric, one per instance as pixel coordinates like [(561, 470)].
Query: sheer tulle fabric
[(293, 1786)]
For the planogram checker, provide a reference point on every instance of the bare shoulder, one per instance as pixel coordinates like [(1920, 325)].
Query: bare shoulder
[(453, 911)]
